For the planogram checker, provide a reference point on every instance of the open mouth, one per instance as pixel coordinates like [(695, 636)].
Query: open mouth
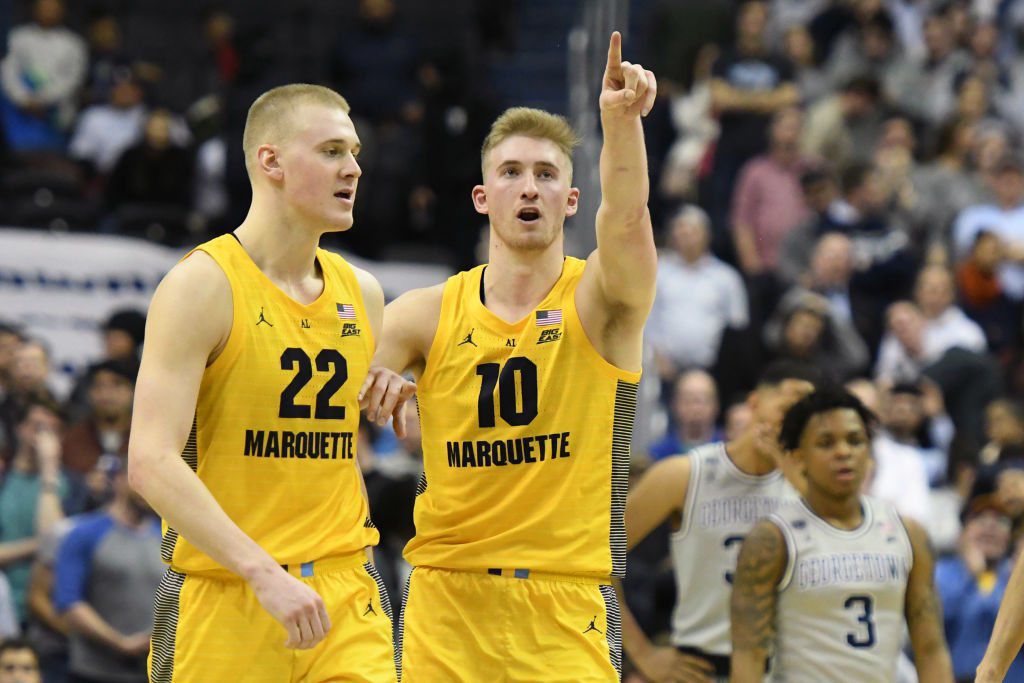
[(845, 473), (345, 194), (528, 215)]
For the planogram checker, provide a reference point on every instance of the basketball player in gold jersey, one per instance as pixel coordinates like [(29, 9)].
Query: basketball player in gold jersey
[(246, 415), (528, 371)]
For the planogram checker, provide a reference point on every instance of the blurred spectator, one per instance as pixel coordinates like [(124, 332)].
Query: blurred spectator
[(29, 372), (105, 131), (924, 88), (810, 78), (108, 61), (107, 571), (374, 62), (971, 585), (104, 431), (150, 187), (737, 418), (983, 298), (10, 340), (842, 127), (934, 295), (34, 495), (1004, 430), (19, 662), (828, 212), (694, 416), (1004, 218), (768, 200), (750, 82), (123, 333), (47, 629), (914, 341), (41, 75), (898, 475), (915, 416), (870, 49), (679, 33), (698, 297), (219, 32), (947, 185), (804, 328)]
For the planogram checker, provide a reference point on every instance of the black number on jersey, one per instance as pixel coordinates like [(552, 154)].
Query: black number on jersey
[(325, 360), (867, 606), (517, 378), (728, 543)]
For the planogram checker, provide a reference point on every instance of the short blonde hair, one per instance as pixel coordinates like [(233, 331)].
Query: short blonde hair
[(531, 123), (271, 116)]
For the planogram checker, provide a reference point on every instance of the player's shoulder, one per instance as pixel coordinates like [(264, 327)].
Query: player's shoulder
[(198, 274), (424, 302), (369, 285)]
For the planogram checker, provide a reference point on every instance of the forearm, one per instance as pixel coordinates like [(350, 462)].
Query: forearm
[(746, 248), (14, 551), (934, 665), (49, 510), (747, 666), (43, 610), (634, 640), (178, 495), (83, 619), (625, 186)]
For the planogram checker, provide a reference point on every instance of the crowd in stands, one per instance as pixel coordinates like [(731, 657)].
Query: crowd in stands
[(839, 182)]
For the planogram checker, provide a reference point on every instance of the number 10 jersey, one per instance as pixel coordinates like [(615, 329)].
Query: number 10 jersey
[(526, 439), (277, 416)]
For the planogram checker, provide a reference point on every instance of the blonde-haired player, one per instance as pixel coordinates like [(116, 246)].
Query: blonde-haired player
[(245, 422), (528, 371)]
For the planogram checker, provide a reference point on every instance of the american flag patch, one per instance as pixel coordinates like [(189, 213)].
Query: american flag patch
[(552, 317), (346, 312)]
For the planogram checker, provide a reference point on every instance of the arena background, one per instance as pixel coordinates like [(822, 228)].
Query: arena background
[(893, 174)]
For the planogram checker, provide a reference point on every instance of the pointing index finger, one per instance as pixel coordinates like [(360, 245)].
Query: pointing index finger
[(615, 51)]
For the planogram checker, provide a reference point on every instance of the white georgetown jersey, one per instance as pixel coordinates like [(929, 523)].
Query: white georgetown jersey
[(722, 505), (841, 599)]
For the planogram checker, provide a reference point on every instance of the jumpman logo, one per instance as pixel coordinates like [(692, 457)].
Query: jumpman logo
[(263, 320), (468, 339), (369, 609), (592, 627)]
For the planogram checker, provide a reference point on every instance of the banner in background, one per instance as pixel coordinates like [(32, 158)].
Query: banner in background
[(62, 287)]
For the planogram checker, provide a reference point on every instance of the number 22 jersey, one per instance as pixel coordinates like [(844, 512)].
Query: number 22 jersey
[(526, 439), (277, 416)]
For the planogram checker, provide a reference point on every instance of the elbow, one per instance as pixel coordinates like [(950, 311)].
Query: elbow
[(138, 472)]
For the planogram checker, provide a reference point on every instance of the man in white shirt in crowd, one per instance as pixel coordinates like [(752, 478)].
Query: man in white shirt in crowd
[(698, 297)]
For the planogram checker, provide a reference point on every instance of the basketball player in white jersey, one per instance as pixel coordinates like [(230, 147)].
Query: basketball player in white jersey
[(713, 496), (826, 585)]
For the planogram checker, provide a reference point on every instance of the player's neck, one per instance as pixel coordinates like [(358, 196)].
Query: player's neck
[(515, 282), (843, 513), (745, 455), (284, 251)]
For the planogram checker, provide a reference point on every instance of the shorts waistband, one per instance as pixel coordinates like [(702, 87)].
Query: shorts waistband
[(529, 574), (303, 570)]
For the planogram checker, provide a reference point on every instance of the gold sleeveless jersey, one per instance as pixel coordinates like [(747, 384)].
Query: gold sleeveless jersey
[(526, 437), (277, 416)]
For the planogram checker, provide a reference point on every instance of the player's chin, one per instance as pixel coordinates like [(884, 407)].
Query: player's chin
[(340, 224)]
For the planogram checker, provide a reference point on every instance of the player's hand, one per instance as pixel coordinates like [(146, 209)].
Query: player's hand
[(628, 90), (384, 395), (134, 645), (669, 665), (295, 605)]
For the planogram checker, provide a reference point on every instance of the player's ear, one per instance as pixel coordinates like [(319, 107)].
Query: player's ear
[(480, 199), (268, 162), (573, 203)]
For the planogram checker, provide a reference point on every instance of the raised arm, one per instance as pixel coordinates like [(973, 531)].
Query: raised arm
[(924, 613), (189, 320), (759, 569), (627, 256), (660, 494)]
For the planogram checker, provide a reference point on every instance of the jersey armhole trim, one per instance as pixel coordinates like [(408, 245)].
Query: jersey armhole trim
[(906, 539), (787, 575), (232, 346), (689, 504)]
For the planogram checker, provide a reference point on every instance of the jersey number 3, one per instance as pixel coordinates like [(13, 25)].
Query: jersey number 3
[(517, 392), (325, 360), (867, 604)]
